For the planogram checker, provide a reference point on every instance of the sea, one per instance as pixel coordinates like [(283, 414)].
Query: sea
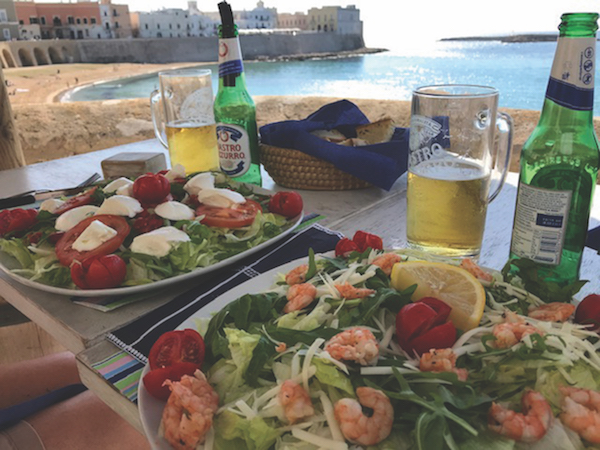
[(518, 70)]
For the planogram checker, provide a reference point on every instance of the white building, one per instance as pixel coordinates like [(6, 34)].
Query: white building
[(173, 23), (335, 19), (257, 18)]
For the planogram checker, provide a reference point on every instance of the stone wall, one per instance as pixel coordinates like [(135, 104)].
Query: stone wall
[(161, 51)]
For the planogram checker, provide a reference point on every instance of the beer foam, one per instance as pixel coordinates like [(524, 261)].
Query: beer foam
[(450, 169)]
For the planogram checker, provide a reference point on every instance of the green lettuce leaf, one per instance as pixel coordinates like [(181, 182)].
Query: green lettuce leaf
[(305, 322), (329, 374), (234, 431), (18, 250)]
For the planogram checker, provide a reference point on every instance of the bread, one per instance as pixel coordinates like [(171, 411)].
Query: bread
[(329, 135), (376, 132), (353, 142)]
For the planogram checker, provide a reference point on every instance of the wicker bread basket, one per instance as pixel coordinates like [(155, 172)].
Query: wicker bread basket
[(297, 170)]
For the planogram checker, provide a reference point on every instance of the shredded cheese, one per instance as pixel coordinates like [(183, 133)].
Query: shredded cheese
[(308, 359), (319, 441), (336, 433)]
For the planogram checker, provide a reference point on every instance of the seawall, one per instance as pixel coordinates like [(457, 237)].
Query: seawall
[(172, 50)]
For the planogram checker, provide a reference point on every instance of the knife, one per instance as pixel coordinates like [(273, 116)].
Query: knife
[(30, 197)]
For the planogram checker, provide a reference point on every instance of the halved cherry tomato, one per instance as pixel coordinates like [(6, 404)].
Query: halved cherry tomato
[(423, 325), (102, 272), (241, 215), (16, 220), (177, 346), (64, 247), (151, 188), (588, 311), (145, 222), (155, 379), (344, 247), (365, 240), (79, 200), (288, 204)]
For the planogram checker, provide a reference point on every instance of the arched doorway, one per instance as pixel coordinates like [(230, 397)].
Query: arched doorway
[(2, 62), (40, 57), (25, 57), (66, 56), (10, 62), (55, 56)]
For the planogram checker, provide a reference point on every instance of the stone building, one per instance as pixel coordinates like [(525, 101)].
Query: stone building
[(257, 18), (9, 24), (173, 23), (335, 19), (297, 20)]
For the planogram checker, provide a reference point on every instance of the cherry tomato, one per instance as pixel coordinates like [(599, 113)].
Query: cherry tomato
[(365, 240), (177, 346), (145, 222), (155, 379), (102, 272), (344, 247), (151, 188), (588, 312), (423, 325), (239, 216), (64, 247), (16, 220), (74, 202), (288, 204)]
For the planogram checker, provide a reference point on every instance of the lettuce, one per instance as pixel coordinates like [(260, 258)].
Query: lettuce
[(487, 440), (549, 380), (305, 322), (329, 374), (187, 256), (233, 431), (17, 249)]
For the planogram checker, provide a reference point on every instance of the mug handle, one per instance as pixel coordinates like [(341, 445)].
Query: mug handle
[(158, 117), (503, 143)]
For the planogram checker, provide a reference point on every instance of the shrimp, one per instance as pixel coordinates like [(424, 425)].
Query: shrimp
[(281, 347), (189, 411), (581, 412), (512, 330), (354, 344), (553, 312), (297, 275), (346, 290), (300, 296), (386, 261), (443, 360), (470, 266), (528, 426), (359, 428), (295, 401)]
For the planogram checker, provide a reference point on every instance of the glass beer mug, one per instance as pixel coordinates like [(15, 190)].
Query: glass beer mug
[(182, 110), (460, 148)]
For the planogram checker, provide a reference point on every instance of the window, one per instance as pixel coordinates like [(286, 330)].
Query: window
[(6, 32), (43, 20), (105, 13), (4, 18), (70, 20), (87, 33), (158, 27), (93, 20), (56, 21), (115, 13), (170, 26), (33, 20), (21, 23), (107, 25), (78, 21), (116, 24), (146, 26), (178, 26), (99, 36), (85, 20)]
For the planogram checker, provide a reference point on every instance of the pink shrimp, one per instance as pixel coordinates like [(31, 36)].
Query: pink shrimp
[(300, 296), (552, 312), (295, 401), (386, 262), (354, 344), (297, 275), (512, 331), (443, 360), (581, 412), (189, 411), (528, 426), (348, 291), (470, 266)]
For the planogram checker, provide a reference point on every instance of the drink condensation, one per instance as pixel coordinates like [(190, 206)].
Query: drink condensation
[(193, 145)]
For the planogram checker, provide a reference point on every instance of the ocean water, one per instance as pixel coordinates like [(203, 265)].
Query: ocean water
[(519, 71)]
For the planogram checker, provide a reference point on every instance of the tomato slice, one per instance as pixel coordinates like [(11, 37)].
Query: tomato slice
[(177, 346), (155, 379), (239, 216), (74, 202), (64, 247)]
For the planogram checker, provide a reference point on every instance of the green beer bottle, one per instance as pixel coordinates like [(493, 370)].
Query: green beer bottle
[(559, 161), (235, 113)]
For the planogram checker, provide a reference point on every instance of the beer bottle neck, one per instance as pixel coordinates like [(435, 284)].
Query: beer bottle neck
[(231, 66)]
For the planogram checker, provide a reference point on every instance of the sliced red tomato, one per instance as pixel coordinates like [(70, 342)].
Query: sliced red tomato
[(64, 247), (74, 202), (177, 346), (365, 240), (155, 379), (288, 204), (588, 312), (344, 247), (100, 272), (145, 222), (239, 216), (16, 220)]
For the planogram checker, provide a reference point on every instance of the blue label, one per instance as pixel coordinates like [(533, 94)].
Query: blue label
[(545, 220), (570, 96), (234, 67), (237, 171)]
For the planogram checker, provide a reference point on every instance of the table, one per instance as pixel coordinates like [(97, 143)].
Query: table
[(82, 330)]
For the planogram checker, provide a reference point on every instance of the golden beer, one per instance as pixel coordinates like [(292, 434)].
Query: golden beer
[(193, 145), (446, 207)]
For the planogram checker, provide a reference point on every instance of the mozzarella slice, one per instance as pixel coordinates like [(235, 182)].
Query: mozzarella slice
[(223, 198), (51, 205), (174, 211), (117, 184), (204, 180), (120, 205), (96, 234), (178, 171), (158, 242), (72, 217)]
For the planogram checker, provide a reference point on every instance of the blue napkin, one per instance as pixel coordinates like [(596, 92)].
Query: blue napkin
[(593, 239), (379, 164)]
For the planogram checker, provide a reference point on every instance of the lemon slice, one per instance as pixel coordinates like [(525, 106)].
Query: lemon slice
[(451, 284)]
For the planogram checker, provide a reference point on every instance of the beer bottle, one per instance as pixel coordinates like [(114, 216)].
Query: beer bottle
[(559, 161), (235, 113)]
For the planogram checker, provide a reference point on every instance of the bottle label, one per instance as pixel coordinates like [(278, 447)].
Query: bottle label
[(230, 57), (540, 224), (571, 81), (234, 149)]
